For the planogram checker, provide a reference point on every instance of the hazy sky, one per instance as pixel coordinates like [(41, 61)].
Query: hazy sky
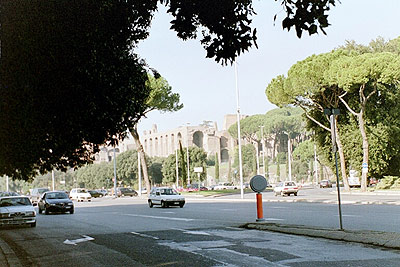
[(207, 89)]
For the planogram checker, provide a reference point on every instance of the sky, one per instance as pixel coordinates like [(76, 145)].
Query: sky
[(207, 89)]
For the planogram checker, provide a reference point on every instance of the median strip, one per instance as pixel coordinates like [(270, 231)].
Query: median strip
[(376, 238)]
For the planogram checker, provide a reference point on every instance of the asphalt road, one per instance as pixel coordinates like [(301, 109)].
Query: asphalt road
[(126, 232)]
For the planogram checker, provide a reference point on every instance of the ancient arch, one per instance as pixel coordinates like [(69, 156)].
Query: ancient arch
[(224, 155), (198, 139), (223, 142)]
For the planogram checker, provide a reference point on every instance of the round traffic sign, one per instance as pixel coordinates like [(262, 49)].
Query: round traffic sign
[(258, 183)]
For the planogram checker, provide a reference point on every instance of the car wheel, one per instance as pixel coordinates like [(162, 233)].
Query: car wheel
[(282, 194), (295, 194), (46, 211), (40, 210), (150, 204), (163, 204), (181, 205), (89, 200), (71, 211), (33, 224)]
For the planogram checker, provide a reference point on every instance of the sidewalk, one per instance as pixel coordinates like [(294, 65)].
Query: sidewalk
[(382, 239)]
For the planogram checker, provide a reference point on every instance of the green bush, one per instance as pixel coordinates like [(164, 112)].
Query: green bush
[(396, 184), (387, 182)]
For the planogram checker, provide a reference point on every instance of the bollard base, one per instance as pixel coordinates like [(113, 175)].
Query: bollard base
[(260, 220)]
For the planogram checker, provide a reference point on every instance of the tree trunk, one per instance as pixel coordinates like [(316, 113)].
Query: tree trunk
[(342, 160), (140, 149), (365, 147)]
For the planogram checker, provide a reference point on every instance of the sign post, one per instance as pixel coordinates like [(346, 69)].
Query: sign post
[(332, 113), (258, 184)]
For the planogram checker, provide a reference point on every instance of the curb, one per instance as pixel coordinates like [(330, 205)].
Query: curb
[(376, 238)]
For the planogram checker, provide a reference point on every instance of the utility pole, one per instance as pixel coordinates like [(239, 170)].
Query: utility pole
[(239, 138), (332, 113)]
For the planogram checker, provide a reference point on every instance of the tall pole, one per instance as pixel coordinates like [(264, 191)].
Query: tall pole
[(263, 149), (334, 150), (177, 167), (289, 158), (7, 189), (52, 179), (315, 162), (257, 159), (239, 138), (187, 153), (115, 175), (139, 175)]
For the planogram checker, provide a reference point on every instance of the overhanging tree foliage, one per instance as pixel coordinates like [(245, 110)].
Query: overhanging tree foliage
[(70, 81), (365, 84)]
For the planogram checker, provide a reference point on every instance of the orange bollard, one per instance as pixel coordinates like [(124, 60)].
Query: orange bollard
[(260, 216)]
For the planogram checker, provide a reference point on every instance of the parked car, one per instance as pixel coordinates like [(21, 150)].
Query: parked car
[(124, 191), (95, 193), (325, 184), (80, 194), (55, 201), (224, 186), (286, 188), (165, 196), (17, 210), (8, 194), (36, 194), (103, 191)]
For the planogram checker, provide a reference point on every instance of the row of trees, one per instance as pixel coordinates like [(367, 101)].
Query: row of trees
[(363, 82), (160, 171)]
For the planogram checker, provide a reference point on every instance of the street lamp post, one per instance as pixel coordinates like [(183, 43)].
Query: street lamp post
[(239, 141), (289, 157), (115, 175), (332, 113), (139, 175), (187, 153), (177, 167)]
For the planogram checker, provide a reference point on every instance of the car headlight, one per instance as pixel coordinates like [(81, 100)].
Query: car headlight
[(4, 215), (70, 204), (30, 213)]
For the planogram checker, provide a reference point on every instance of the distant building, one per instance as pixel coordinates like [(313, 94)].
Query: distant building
[(205, 136)]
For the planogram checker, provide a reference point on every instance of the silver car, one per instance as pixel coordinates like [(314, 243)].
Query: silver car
[(17, 210), (165, 196)]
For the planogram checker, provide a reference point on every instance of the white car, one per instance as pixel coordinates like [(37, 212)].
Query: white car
[(80, 194), (223, 186), (17, 210), (286, 188), (165, 196)]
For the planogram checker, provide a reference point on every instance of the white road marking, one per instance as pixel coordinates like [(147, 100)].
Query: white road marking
[(159, 217), (169, 212), (273, 219), (144, 235), (79, 240), (191, 232), (350, 215)]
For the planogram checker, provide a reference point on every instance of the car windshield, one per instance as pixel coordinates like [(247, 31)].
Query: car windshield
[(126, 189), (56, 195), (81, 191), (290, 184), (19, 201), (168, 191)]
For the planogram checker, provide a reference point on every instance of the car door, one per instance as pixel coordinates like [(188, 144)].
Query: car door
[(157, 197)]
